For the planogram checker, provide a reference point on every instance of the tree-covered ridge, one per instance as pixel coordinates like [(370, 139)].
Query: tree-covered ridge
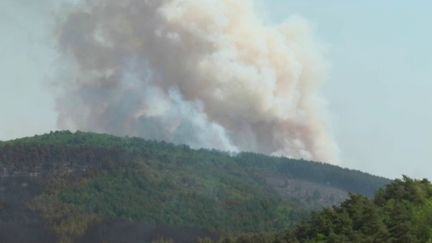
[(133, 148), (74, 182), (400, 213)]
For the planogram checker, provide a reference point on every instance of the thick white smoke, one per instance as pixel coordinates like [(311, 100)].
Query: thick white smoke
[(207, 73)]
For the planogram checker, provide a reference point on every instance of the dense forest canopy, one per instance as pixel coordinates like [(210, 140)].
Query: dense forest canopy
[(400, 213), (73, 185)]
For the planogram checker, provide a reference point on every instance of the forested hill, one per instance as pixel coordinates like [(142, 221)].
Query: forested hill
[(399, 213), (68, 187)]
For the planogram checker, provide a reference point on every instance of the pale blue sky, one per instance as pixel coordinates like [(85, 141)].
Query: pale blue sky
[(378, 90), (381, 79)]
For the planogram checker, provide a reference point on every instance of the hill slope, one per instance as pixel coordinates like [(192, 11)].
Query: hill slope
[(399, 213), (68, 186)]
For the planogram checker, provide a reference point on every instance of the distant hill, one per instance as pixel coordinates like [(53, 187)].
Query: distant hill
[(89, 187)]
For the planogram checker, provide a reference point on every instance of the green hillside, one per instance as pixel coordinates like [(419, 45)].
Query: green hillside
[(400, 213), (67, 186)]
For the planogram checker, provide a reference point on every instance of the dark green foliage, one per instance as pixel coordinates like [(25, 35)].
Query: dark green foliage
[(93, 178), (164, 202), (105, 151), (399, 213)]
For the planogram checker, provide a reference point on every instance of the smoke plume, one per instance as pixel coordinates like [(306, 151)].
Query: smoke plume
[(208, 73)]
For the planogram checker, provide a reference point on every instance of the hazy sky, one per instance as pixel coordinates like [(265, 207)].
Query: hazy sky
[(377, 92)]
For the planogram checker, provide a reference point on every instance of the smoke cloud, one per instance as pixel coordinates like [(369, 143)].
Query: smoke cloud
[(208, 73)]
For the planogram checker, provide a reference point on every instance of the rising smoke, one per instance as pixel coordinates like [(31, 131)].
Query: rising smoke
[(207, 73)]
